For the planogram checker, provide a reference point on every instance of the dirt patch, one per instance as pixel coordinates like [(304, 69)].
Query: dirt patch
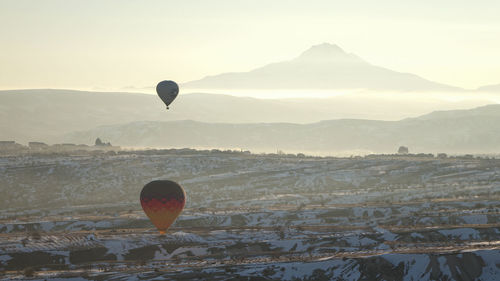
[(21, 261), (91, 255)]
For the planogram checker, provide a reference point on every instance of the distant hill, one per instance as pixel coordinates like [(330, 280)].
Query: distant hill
[(490, 88), (43, 115), (47, 114), (464, 131), (488, 111), (323, 66)]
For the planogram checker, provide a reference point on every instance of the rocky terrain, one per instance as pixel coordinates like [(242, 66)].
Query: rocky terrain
[(251, 217)]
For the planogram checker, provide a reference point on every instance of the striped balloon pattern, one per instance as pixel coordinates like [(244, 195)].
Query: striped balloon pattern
[(162, 201)]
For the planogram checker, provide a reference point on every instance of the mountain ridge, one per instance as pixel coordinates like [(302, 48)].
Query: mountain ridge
[(323, 66)]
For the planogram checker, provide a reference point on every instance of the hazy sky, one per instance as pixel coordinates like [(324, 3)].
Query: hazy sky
[(112, 44)]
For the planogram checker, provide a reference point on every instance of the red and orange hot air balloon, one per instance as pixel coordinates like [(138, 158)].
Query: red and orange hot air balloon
[(162, 201)]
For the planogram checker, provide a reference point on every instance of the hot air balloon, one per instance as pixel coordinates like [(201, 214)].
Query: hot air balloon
[(162, 201), (167, 91)]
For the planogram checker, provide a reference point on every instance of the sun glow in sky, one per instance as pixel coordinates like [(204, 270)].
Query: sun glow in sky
[(117, 44)]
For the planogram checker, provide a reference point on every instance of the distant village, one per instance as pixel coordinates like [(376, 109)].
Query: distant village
[(11, 147)]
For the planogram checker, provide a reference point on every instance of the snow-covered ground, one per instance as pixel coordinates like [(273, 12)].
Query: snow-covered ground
[(274, 216)]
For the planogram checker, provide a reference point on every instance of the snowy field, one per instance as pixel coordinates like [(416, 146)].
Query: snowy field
[(273, 217)]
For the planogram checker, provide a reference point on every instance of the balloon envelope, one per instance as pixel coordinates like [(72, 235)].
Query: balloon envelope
[(167, 91), (162, 201)]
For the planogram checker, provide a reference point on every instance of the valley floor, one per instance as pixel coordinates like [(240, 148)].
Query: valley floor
[(251, 217)]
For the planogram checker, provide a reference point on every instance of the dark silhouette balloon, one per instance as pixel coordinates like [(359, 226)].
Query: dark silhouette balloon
[(162, 201), (167, 91)]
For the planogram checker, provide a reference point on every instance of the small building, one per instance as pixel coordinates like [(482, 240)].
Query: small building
[(36, 145), (11, 146)]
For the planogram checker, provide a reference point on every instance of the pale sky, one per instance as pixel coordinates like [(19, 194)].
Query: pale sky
[(109, 45)]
